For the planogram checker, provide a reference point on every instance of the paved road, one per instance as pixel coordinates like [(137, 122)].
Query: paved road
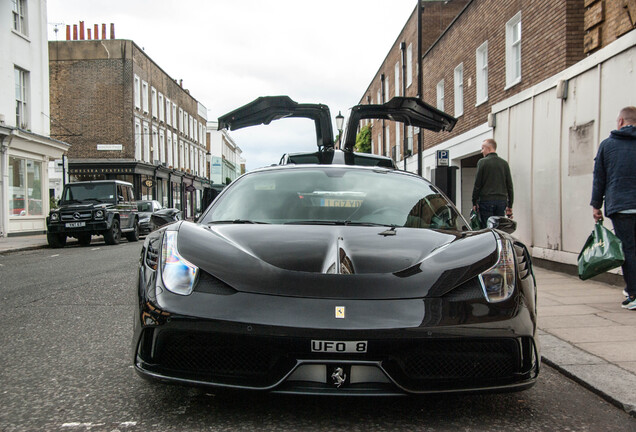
[(65, 364)]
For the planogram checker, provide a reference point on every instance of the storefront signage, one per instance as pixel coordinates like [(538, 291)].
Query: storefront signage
[(101, 171), (149, 183), (110, 147)]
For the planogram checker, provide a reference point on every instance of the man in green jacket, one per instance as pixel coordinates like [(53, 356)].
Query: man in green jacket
[(493, 193)]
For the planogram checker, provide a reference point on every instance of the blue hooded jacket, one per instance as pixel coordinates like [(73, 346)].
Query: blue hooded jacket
[(615, 172)]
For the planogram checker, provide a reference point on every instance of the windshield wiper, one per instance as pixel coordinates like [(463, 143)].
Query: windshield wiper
[(236, 221)]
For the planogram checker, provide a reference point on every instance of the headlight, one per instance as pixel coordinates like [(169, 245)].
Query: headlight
[(99, 214), (177, 273), (55, 217), (498, 282)]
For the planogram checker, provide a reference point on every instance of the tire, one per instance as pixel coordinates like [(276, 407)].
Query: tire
[(84, 239), (56, 240), (134, 235), (113, 235)]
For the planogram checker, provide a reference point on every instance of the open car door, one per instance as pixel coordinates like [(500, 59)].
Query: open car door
[(265, 109), (409, 110)]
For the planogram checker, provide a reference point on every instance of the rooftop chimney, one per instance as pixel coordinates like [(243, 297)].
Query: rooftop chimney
[(103, 31), (96, 32), (68, 32), (74, 31), (81, 35), (112, 30)]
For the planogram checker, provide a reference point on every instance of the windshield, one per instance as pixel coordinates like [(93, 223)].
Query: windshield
[(100, 192), (324, 195)]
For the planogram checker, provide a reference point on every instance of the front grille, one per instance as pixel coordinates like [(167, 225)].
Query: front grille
[(210, 357), (76, 216), (465, 359), (451, 363)]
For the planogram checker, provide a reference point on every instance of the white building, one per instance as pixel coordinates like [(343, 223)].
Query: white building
[(226, 158), (25, 145)]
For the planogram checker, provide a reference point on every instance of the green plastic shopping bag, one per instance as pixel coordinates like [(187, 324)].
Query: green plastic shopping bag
[(602, 251), (475, 222)]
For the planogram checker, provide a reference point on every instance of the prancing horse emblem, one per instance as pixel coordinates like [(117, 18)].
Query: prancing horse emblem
[(338, 376)]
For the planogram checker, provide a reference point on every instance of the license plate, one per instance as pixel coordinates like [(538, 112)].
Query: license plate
[(75, 224), (339, 346)]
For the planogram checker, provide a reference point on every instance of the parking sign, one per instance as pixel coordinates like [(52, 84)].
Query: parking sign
[(442, 158)]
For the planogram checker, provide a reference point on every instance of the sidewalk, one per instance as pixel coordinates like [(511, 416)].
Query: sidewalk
[(584, 332)]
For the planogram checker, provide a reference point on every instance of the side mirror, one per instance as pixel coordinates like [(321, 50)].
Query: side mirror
[(120, 198), (502, 223)]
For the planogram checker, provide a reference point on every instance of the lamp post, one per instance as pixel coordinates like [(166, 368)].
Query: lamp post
[(339, 123)]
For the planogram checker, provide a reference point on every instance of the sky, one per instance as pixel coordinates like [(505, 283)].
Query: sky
[(229, 52)]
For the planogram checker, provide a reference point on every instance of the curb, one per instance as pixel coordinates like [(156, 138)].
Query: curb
[(601, 377)]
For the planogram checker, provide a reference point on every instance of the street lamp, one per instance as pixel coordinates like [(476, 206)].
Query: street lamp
[(339, 123)]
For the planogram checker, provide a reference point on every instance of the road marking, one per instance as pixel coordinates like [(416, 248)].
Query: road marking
[(96, 249), (53, 256)]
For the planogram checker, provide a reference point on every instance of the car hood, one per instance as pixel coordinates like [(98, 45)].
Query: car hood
[(373, 262)]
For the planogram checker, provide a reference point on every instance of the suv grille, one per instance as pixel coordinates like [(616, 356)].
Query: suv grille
[(82, 215)]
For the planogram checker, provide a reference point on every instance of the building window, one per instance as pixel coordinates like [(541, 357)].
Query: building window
[(190, 119), (513, 50), (440, 95), (20, 16), (169, 148), (161, 108), (195, 131), (387, 145), (155, 146), (137, 140), (146, 135), (180, 120), (397, 79), (174, 115), (162, 146), (459, 90), (153, 98), (137, 91), (144, 96), (21, 98), (409, 65), (482, 73), (25, 187), (168, 121)]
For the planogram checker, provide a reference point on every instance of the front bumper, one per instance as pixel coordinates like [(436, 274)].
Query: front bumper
[(90, 227), (456, 343)]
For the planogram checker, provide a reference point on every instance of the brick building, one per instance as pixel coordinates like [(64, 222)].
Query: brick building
[(530, 75), (127, 119)]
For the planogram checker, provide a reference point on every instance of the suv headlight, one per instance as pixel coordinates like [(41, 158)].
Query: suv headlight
[(55, 217), (498, 282), (178, 274), (99, 214)]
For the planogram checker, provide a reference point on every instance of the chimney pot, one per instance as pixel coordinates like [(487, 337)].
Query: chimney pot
[(74, 31), (103, 31), (81, 32), (96, 32), (112, 30), (89, 35), (68, 32)]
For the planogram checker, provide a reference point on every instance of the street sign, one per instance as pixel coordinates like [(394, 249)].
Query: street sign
[(442, 158)]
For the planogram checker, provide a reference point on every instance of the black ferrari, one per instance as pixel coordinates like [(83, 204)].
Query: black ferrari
[(337, 278)]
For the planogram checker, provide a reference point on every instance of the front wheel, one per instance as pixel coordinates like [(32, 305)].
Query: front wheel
[(56, 240), (133, 236), (113, 235)]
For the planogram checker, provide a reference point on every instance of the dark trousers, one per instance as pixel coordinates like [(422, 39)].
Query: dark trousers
[(491, 208), (625, 229)]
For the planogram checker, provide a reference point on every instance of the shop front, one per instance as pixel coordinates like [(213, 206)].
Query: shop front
[(24, 184)]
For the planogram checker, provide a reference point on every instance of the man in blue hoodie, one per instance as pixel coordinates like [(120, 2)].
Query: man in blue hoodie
[(615, 182)]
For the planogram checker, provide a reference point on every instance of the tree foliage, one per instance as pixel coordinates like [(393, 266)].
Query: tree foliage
[(363, 140)]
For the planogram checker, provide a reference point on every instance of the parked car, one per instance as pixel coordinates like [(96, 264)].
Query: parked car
[(337, 279), (145, 208), (103, 207)]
